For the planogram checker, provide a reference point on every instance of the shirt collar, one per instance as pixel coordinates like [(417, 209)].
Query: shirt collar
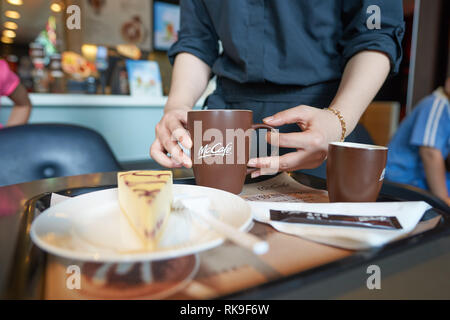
[(440, 93)]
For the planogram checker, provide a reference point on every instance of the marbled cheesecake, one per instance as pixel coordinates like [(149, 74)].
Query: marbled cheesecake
[(145, 197)]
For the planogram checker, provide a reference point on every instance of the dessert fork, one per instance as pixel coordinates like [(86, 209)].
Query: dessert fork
[(200, 207)]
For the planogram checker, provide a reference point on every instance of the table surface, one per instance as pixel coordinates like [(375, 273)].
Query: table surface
[(415, 267)]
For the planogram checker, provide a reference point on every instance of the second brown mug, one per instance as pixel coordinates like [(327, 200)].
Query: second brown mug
[(355, 172)]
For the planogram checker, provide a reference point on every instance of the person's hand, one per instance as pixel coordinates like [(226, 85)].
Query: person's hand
[(169, 131), (319, 127)]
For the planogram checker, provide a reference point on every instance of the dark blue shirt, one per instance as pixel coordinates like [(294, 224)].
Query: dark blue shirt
[(288, 42)]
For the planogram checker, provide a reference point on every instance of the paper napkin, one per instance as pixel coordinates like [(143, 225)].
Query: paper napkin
[(353, 238)]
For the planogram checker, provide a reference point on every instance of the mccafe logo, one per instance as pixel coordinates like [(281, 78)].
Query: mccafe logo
[(230, 146), (216, 150)]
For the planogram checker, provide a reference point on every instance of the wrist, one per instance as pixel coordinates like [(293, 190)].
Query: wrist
[(174, 106), (340, 124), (350, 115)]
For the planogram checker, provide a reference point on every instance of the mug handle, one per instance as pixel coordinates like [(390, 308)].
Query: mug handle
[(256, 127)]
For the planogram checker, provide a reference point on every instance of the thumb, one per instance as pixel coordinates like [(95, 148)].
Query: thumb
[(293, 115)]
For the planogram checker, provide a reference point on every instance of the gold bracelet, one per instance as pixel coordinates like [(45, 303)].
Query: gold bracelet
[(341, 120)]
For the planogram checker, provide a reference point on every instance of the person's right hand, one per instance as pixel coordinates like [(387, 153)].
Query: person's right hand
[(170, 130)]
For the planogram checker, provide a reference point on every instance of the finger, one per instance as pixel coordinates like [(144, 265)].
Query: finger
[(174, 149), (292, 115), (179, 133), (286, 162), (256, 174), (301, 160), (292, 160), (297, 140), (177, 153), (158, 154), (267, 165)]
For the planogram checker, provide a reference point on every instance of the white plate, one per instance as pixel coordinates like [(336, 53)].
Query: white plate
[(155, 280), (91, 227)]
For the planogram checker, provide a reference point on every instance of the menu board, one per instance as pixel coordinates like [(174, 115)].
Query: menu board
[(114, 22)]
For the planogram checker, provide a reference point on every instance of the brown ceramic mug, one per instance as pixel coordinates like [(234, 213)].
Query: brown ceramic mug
[(221, 147), (355, 172)]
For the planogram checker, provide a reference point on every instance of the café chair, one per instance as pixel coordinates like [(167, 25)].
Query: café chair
[(381, 119), (41, 151)]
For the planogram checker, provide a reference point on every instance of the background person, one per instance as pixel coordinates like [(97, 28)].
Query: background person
[(419, 151), (10, 87)]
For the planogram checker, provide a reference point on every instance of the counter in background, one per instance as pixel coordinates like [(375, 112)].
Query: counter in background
[(127, 123)]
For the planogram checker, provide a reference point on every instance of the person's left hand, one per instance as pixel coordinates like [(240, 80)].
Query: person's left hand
[(319, 127)]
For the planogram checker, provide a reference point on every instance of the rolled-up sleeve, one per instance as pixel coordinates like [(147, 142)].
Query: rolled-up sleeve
[(197, 35), (357, 36)]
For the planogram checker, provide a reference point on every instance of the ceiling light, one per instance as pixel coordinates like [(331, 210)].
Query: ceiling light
[(9, 33), (12, 14), (55, 7), (15, 2), (89, 51), (10, 25), (7, 40)]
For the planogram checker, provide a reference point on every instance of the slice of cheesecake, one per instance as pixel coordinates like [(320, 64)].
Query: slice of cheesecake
[(145, 197)]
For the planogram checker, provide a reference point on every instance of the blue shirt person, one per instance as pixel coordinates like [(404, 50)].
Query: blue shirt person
[(425, 130)]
